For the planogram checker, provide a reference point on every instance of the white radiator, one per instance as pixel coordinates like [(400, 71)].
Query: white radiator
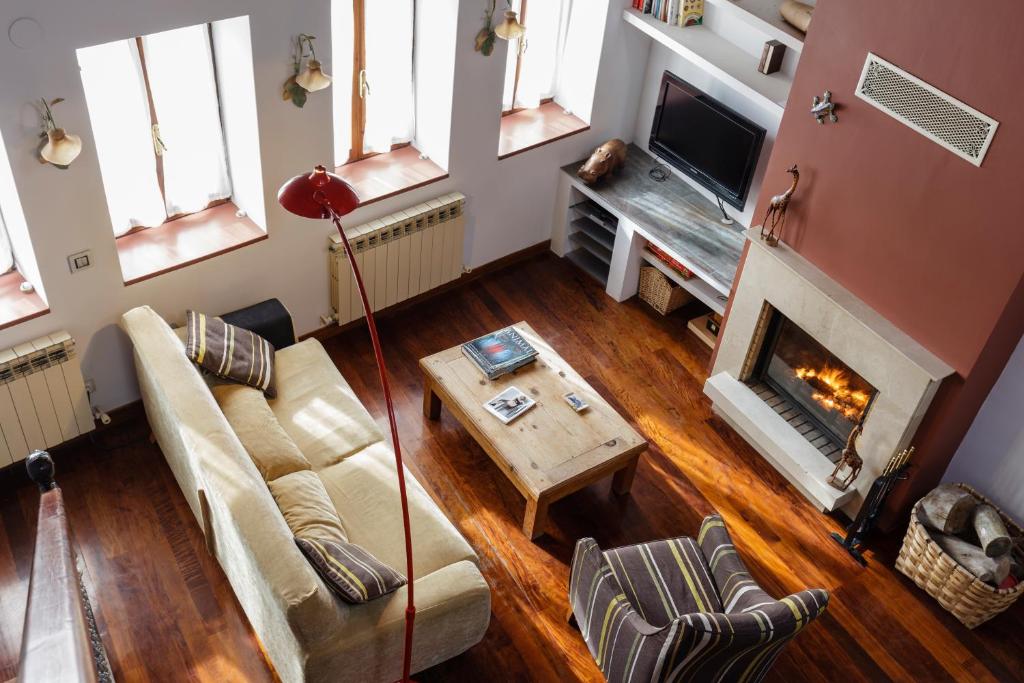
[(400, 256), (43, 401)]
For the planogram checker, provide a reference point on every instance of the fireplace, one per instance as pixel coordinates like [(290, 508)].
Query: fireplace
[(816, 392), (801, 360)]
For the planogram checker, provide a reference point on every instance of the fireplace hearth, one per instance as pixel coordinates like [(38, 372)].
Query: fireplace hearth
[(801, 361), (810, 387)]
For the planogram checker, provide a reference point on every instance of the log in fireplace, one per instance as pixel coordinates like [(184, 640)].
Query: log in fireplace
[(815, 391)]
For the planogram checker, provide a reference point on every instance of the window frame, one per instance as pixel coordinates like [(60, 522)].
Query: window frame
[(356, 151), (155, 128), (521, 47)]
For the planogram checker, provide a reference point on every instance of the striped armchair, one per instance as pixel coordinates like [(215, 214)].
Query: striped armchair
[(681, 610)]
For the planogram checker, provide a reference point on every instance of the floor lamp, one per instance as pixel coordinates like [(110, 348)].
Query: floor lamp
[(324, 195)]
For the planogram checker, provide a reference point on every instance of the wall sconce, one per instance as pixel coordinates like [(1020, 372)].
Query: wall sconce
[(61, 147), (307, 80), (509, 28)]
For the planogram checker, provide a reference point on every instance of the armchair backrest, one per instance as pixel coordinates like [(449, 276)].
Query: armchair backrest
[(739, 644)]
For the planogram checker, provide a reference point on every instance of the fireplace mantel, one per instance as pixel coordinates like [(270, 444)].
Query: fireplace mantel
[(905, 373)]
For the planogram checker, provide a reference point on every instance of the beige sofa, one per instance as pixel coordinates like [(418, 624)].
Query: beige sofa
[(309, 634)]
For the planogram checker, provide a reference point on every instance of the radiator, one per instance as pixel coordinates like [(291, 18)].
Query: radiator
[(400, 256), (43, 401)]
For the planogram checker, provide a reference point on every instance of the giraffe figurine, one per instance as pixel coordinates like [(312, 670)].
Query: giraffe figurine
[(775, 217)]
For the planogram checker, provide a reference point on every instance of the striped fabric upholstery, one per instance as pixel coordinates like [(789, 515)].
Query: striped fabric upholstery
[(230, 352), (664, 580), (737, 644), (351, 572)]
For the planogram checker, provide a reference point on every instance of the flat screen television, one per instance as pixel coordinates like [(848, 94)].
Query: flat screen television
[(705, 139)]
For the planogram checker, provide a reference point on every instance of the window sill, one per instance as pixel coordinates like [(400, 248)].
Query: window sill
[(185, 241), (17, 306), (531, 128), (386, 175)]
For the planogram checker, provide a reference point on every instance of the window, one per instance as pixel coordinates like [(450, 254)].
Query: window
[(156, 122), (531, 68), (382, 99), (550, 72), (6, 251)]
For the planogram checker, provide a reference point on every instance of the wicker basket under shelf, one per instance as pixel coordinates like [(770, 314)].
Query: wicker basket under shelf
[(662, 294), (966, 597)]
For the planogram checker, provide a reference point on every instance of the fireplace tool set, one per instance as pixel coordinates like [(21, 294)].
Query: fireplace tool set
[(867, 517)]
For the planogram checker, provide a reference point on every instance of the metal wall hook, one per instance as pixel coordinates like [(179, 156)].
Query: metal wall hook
[(824, 106)]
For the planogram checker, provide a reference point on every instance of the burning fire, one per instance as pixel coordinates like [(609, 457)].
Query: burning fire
[(832, 390)]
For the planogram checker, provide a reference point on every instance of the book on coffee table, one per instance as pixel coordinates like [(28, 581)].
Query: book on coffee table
[(499, 353)]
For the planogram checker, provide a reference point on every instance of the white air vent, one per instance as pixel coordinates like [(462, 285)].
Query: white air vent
[(961, 129)]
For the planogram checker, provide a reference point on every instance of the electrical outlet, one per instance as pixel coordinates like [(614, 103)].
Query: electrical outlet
[(80, 260)]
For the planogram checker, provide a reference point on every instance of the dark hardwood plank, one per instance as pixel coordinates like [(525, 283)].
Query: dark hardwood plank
[(167, 613)]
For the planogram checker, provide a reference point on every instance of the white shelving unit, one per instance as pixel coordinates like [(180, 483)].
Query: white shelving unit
[(704, 291), (764, 16), (724, 60)]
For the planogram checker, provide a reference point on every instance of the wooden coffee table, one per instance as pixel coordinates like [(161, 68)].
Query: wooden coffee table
[(551, 450)]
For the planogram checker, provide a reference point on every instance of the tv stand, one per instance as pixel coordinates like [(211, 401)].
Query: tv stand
[(605, 229), (726, 219)]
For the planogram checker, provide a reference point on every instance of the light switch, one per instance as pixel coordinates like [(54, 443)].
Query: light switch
[(80, 261)]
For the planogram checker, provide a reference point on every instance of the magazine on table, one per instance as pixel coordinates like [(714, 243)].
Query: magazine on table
[(509, 404), (499, 353)]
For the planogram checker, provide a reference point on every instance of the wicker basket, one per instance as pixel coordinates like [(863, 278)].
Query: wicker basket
[(966, 597), (661, 293)]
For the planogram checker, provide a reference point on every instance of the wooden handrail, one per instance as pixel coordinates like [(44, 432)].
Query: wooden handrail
[(56, 644)]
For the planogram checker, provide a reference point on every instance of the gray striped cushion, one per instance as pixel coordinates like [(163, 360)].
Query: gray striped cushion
[(739, 644), (350, 571), (230, 352)]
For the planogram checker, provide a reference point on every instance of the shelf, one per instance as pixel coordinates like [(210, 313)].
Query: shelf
[(707, 294), (589, 264), (608, 222), (604, 254), (719, 57), (764, 16), (595, 231), (700, 330)]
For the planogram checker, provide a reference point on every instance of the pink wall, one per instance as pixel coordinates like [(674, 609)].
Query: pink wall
[(929, 240)]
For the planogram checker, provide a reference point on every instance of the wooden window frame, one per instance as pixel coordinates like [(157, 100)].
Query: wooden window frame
[(359, 83), (155, 130)]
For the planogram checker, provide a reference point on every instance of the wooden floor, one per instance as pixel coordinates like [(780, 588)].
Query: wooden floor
[(167, 614)]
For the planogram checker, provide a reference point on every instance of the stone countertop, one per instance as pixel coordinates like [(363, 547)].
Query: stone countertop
[(672, 214)]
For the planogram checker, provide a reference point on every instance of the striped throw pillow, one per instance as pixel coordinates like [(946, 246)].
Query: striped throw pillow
[(351, 572), (230, 352)]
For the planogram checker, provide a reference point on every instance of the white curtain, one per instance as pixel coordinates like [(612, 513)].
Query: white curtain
[(390, 113), (119, 110), (180, 68), (6, 252), (546, 23), (181, 78)]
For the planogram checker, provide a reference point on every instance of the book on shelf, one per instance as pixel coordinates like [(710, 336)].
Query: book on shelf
[(499, 353)]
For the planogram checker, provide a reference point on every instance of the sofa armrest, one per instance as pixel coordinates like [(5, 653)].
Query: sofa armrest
[(453, 610)]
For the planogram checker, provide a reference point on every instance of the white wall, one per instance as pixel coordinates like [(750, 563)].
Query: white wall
[(991, 456), (509, 202)]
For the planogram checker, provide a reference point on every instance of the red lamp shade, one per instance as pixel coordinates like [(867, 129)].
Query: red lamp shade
[(310, 195)]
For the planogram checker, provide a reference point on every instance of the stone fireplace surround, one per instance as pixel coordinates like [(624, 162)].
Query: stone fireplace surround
[(905, 374)]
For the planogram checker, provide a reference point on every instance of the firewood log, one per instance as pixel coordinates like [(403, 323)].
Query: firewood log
[(973, 559), (992, 533), (947, 509)]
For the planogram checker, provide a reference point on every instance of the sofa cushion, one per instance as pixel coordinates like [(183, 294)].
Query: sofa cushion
[(664, 580), (230, 352), (351, 572), (269, 446), (364, 488), (306, 507), (318, 408)]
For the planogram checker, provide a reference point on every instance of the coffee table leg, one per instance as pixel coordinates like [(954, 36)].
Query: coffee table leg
[(623, 479), (431, 403), (536, 518)]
